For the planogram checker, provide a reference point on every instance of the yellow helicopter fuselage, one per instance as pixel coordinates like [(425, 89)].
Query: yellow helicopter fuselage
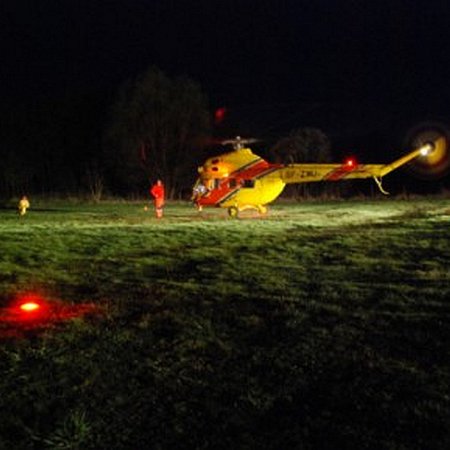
[(240, 180)]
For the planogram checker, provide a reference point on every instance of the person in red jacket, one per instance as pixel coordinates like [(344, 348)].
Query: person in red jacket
[(157, 191)]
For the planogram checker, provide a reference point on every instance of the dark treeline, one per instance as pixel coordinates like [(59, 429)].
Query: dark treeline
[(104, 143), (50, 145), (117, 142)]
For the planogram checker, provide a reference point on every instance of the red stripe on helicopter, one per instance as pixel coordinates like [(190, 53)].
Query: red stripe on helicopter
[(249, 165), (337, 174), (247, 174), (247, 170), (228, 196), (255, 169)]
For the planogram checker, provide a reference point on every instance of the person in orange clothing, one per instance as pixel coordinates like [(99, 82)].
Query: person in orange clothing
[(157, 191)]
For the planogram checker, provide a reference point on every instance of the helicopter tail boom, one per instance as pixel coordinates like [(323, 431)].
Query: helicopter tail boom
[(425, 150), (304, 173)]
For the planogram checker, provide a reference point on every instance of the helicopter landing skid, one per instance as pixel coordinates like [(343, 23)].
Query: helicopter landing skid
[(380, 186)]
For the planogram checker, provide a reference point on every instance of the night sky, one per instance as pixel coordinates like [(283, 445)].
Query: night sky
[(284, 63)]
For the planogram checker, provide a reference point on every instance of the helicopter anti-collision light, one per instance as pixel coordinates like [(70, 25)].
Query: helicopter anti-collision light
[(219, 115), (350, 163)]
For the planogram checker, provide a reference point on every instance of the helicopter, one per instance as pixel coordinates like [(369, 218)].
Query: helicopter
[(241, 180)]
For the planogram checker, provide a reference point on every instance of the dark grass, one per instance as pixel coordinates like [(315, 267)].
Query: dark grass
[(322, 325)]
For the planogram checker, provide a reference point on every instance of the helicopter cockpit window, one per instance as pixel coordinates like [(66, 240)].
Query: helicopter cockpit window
[(248, 183), (216, 183)]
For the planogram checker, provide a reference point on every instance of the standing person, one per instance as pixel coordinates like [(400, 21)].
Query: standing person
[(23, 205), (198, 192), (157, 191)]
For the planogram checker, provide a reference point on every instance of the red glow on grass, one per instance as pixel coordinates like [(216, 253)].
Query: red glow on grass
[(31, 313)]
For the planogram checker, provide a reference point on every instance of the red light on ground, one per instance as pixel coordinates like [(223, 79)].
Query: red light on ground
[(29, 307), (31, 313)]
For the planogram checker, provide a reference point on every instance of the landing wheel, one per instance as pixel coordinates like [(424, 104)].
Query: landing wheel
[(233, 211)]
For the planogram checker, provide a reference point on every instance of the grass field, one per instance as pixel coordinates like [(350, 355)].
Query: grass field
[(323, 325)]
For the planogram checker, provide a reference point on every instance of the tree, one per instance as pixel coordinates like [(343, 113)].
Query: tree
[(157, 123), (303, 145)]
